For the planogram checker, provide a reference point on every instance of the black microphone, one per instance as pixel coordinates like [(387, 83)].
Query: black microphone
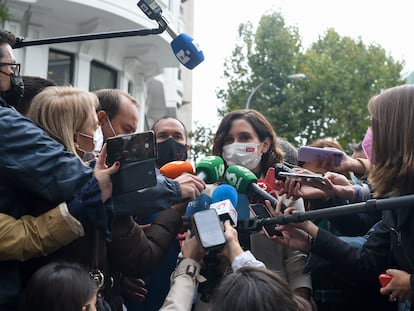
[(185, 49)]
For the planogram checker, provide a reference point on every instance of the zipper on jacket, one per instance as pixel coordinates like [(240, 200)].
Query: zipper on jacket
[(399, 244), (398, 233)]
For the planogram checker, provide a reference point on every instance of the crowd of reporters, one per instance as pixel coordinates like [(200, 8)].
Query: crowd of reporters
[(64, 229)]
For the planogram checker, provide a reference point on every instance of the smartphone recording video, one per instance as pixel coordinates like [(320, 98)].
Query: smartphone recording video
[(296, 175), (208, 229), (309, 154), (131, 148)]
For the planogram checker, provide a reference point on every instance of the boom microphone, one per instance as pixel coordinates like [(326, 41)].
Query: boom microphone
[(185, 49), (176, 168), (210, 169), (246, 182), (372, 205), (224, 200)]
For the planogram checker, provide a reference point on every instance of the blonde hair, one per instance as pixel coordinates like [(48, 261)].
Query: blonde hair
[(63, 111)]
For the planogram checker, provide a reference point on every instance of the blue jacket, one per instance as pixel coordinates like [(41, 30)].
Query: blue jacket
[(35, 172)]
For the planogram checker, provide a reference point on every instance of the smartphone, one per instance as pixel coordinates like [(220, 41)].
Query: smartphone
[(318, 178), (308, 154), (261, 211), (208, 229), (280, 167), (384, 279), (131, 148)]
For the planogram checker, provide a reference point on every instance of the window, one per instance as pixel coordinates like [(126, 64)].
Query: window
[(102, 77), (60, 67)]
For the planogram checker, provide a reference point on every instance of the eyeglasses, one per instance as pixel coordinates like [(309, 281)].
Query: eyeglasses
[(15, 67)]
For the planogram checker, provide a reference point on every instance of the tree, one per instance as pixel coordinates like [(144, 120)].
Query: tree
[(201, 141), (4, 11), (341, 75)]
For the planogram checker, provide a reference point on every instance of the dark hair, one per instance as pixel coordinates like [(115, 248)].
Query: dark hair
[(59, 286), (32, 86), (289, 151), (6, 37), (170, 117), (252, 288), (109, 100), (262, 128)]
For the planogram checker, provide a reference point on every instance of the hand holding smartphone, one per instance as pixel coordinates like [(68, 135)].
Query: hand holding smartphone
[(261, 212)]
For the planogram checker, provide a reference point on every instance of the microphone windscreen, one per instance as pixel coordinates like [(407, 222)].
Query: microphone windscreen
[(201, 203), (176, 168), (224, 192), (187, 51), (213, 167), (239, 177)]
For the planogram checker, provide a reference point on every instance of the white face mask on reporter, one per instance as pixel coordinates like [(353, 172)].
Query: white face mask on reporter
[(244, 154)]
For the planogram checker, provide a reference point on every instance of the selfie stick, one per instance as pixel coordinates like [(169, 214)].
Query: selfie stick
[(372, 205)]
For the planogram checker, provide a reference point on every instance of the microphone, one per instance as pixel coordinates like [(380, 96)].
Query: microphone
[(224, 201), (176, 168), (246, 182), (202, 203), (210, 169), (185, 49), (264, 185)]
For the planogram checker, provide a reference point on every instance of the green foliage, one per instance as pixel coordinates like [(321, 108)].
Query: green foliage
[(4, 11), (201, 141), (341, 75)]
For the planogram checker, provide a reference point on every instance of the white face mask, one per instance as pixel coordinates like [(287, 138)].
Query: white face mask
[(244, 154), (98, 139)]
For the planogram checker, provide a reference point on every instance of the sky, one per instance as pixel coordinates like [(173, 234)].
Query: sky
[(385, 22)]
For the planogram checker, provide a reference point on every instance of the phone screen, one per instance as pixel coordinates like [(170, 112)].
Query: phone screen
[(131, 148), (209, 229)]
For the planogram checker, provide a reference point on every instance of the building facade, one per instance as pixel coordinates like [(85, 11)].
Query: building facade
[(142, 65)]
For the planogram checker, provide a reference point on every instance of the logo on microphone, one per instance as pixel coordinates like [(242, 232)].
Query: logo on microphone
[(182, 56)]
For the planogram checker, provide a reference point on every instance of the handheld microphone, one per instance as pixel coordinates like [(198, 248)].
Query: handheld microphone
[(176, 168), (202, 203), (224, 200), (246, 182), (264, 185), (185, 49), (210, 169)]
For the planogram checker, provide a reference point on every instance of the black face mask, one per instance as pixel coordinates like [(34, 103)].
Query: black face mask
[(15, 94), (170, 150)]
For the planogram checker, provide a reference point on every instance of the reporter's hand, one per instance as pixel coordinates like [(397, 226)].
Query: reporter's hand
[(191, 186), (191, 248), (103, 174), (399, 288), (134, 289), (232, 248)]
